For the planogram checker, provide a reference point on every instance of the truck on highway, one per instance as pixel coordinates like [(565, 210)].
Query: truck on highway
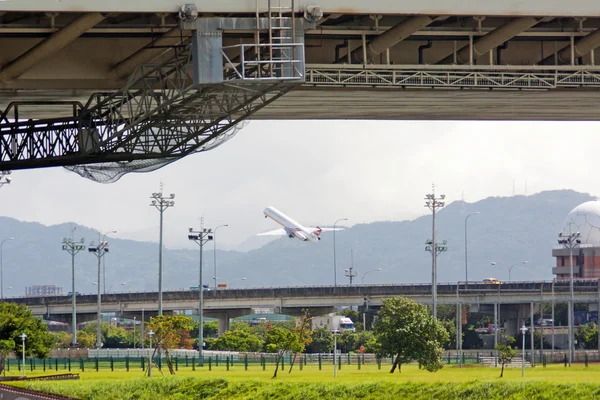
[(334, 323)]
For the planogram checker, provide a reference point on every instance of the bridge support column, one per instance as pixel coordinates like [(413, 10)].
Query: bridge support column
[(223, 323)]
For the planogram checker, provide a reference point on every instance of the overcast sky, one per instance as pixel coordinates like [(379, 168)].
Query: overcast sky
[(317, 172)]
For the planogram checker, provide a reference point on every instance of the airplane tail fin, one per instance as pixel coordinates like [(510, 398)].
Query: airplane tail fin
[(318, 231)]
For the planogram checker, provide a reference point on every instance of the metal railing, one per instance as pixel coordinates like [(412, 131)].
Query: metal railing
[(288, 66), (452, 77)]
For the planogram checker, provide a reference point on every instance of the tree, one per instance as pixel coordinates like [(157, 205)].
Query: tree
[(86, 340), (587, 336), (322, 341), (238, 340), (505, 351), (167, 330), (367, 340), (304, 335), (15, 320), (406, 329), (280, 341)]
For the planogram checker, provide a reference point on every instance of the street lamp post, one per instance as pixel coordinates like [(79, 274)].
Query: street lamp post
[(372, 270), (99, 251), (104, 264), (161, 203), (570, 241), (236, 279), (215, 252), (1, 276), (435, 249), (23, 336), (134, 331), (72, 247), (466, 253), (523, 332), (334, 260), (509, 268), (200, 237), (434, 203), (150, 334)]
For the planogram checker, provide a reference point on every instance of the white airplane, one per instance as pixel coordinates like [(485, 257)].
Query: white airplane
[(293, 229)]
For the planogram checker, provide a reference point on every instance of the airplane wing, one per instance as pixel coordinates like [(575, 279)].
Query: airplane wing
[(276, 232)]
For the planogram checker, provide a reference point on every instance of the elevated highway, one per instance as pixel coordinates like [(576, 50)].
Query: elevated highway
[(516, 299), (94, 82)]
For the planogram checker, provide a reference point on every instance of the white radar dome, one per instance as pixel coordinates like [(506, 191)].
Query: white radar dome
[(585, 219)]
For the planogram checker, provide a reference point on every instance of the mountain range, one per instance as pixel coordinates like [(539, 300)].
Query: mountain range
[(507, 230)]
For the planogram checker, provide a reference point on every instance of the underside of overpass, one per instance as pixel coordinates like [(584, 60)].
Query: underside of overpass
[(113, 88)]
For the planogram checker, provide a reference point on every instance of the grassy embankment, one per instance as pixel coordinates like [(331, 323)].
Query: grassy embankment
[(553, 382)]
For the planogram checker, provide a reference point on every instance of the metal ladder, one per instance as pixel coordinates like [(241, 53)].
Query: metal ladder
[(280, 38)]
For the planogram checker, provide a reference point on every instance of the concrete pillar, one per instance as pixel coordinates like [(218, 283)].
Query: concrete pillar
[(223, 323)]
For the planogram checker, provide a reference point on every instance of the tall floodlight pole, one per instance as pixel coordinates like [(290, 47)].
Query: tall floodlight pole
[(435, 250), (104, 264), (161, 203), (200, 237), (334, 260), (99, 251), (215, 253), (434, 203), (509, 268), (4, 178), (570, 241), (1, 276), (73, 247), (466, 252)]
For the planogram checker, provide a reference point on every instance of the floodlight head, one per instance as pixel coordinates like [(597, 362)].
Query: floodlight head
[(523, 262), (172, 203), (172, 195), (559, 234), (210, 237), (441, 204), (154, 194), (8, 180), (64, 240), (443, 196), (190, 229), (193, 237), (493, 262)]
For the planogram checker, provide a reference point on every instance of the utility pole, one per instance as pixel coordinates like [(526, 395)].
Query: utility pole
[(161, 203), (435, 250), (200, 237), (334, 260), (99, 251), (72, 247), (350, 273), (434, 203), (570, 241), (215, 254)]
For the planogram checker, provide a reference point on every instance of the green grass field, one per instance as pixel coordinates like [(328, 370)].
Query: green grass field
[(471, 382)]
